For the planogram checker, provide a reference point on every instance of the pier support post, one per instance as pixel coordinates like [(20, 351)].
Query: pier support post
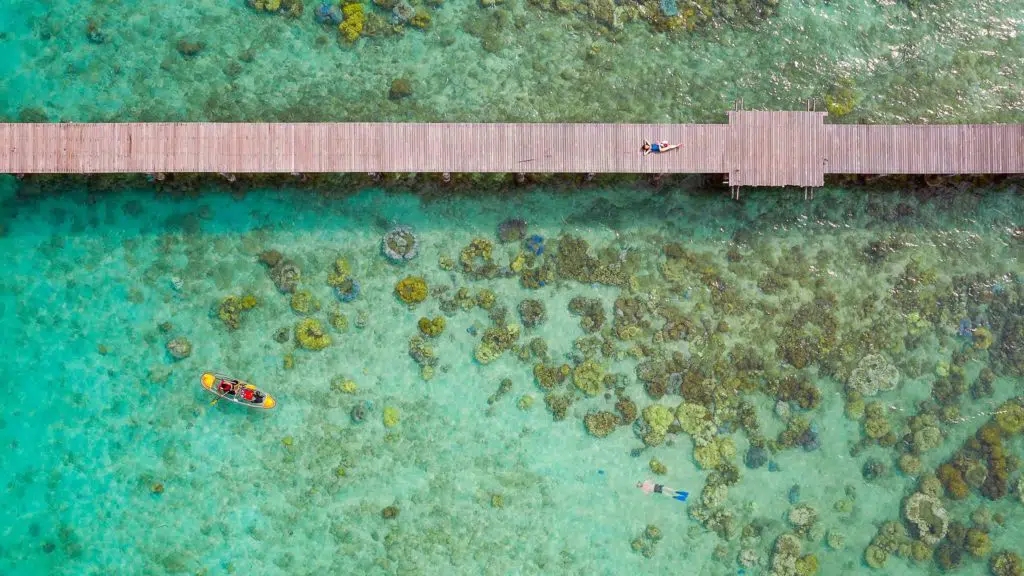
[(446, 177), (520, 177)]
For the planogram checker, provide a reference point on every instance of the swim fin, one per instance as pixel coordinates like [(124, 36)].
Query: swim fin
[(681, 496)]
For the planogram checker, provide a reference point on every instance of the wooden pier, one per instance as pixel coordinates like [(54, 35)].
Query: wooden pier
[(752, 149)]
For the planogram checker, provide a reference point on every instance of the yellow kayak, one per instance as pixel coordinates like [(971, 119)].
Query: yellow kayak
[(234, 390)]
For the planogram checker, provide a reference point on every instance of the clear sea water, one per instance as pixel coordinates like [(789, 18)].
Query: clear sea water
[(115, 461)]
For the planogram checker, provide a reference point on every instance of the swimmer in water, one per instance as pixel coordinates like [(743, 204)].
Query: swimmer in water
[(650, 487)]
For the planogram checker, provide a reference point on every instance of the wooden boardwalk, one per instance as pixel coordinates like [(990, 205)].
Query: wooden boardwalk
[(775, 149), (753, 149)]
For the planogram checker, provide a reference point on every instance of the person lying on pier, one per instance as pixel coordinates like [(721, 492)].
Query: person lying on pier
[(657, 147)]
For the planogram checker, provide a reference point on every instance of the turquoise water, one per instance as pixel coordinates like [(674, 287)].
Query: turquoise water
[(902, 61), (116, 462), (757, 316)]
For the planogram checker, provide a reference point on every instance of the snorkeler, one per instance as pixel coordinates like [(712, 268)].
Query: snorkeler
[(650, 487), (657, 147)]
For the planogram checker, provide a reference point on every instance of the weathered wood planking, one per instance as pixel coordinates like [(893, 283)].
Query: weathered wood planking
[(775, 149), (754, 149), (925, 149), (357, 147)]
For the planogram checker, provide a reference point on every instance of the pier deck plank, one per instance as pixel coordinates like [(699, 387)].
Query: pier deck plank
[(753, 149)]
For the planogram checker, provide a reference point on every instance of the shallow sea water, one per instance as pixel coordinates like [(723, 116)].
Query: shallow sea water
[(97, 413), (115, 462), (930, 61)]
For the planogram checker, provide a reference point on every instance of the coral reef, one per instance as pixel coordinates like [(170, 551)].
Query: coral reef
[(646, 544), (977, 543), (352, 27), (694, 419), (422, 352), (400, 243), (558, 404), (1006, 563), (358, 412), (477, 259), (548, 376), (627, 410), (1010, 418), (875, 557), (340, 271), (795, 388), (345, 286), (835, 540), (601, 424), (179, 348), (411, 289), (630, 320), (1009, 354), (756, 457), (873, 374), (873, 469), (927, 515), (807, 565), (303, 303), (841, 98), (910, 464), (400, 89), (344, 385), (573, 262), (535, 244), (926, 433), (310, 335), (391, 416), (329, 13), (338, 321), (953, 481), (982, 338), (876, 425), (657, 419), (283, 272), (348, 290), (432, 327), (532, 312), (512, 230), (504, 387), (787, 552), (591, 312), (230, 310), (714, 495), (802, 518), (588, 377), (657, 467), (486, 298), (496, 340)]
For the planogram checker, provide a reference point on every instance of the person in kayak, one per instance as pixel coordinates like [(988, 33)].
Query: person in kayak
[(650, 487), (657, 147)]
